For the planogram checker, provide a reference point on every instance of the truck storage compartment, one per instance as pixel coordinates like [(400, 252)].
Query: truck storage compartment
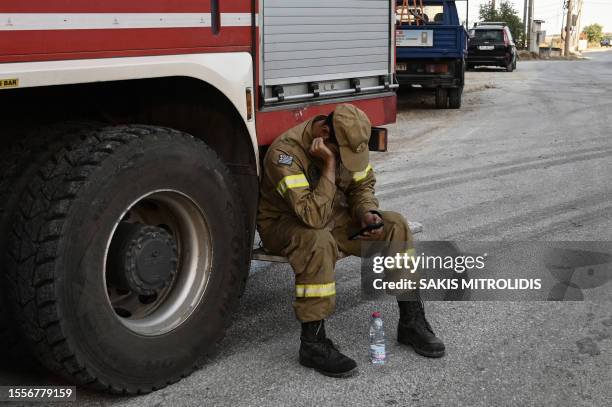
[(324, 48)]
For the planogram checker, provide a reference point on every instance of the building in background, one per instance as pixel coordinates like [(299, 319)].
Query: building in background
[(536, 36)]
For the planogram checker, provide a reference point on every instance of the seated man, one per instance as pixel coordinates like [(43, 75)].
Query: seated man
[(317, 187)]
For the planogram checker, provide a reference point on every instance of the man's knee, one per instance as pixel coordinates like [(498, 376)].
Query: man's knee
[(308, 241), (316, 238), (397, 226), (394, 218)]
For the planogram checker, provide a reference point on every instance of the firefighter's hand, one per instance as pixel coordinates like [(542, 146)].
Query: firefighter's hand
[(370, 218), (320, 150)]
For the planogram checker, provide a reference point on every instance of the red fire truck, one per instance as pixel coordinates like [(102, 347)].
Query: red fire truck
[(129, 169)]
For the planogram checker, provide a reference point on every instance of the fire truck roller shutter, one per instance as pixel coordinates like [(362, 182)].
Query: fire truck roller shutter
[(328, 42), (124, 272)]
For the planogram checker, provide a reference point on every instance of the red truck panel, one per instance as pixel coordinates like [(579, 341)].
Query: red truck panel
[(121, 6), (271, 124), (62, 44), (54, 43)]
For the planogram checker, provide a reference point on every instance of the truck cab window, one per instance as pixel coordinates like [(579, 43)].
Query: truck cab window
[(432, 14), (435, 14)]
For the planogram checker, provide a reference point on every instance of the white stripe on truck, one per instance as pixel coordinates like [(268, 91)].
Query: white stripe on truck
[(104, 21)]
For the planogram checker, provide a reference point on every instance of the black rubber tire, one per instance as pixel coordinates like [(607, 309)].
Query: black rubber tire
[(454, 97), (441, 98), (469, 67), (21, 159), (510, 66), (60, 237), (14, 159), (9, 338)]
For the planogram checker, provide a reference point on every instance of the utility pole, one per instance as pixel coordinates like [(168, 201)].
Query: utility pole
[(530, 25), (562, 22), (525, 17), (568, 27), (578, 26)]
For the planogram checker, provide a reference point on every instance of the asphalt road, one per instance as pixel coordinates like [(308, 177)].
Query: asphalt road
[(526, 158)]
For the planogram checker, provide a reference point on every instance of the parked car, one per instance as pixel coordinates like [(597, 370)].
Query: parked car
[(491, 44), (606, 42)]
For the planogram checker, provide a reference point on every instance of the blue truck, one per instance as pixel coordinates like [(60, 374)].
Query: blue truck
[(431, 46)]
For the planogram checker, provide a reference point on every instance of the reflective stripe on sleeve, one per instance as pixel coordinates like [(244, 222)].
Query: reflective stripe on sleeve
[(360, 175), (290, 182), (315, 290)]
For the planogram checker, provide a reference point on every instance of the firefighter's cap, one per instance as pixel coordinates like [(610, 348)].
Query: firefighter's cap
[(352, 129)]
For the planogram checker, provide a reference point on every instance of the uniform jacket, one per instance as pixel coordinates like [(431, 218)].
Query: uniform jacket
[(292, 184)]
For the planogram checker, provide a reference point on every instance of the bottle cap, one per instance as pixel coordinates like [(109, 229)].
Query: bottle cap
[(376, 314)]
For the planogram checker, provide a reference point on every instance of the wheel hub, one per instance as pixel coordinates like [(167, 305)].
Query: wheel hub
[(144, 258)]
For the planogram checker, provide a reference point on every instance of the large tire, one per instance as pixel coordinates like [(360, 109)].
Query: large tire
[(21, 159), (454, 97), (84, 325), (9, 339), (510, 66), (441, 98), (14, 159)]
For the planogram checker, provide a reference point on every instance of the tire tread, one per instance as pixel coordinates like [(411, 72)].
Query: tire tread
[(34, 244), (21, 156)]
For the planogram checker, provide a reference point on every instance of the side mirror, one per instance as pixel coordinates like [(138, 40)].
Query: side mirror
[(378, 139)]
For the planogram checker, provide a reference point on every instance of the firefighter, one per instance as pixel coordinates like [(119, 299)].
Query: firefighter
[(317, 187)]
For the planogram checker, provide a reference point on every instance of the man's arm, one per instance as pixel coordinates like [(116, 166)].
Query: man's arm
[(312, 206), (360, 193), (362, 202)]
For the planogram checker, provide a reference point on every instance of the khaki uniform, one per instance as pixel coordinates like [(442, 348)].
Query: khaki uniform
[(308, 219)]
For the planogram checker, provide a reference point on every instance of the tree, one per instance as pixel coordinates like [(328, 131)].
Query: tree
[(487, 12), (594, 32), (507, 14)]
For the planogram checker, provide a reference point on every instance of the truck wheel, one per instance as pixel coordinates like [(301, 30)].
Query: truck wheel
[(454, 97), (8, 338), (14, 159), (131, 258), (510, 66), (22, 158), (441, 98)]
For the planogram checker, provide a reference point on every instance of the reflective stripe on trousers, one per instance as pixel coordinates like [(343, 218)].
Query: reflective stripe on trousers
[(315, 290)]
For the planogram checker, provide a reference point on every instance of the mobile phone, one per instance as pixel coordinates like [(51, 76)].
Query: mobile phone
[(368, 228)]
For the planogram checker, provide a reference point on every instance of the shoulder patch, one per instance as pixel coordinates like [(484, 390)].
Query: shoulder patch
[(285, 159)]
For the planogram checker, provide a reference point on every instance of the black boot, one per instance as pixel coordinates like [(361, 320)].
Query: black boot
[(414, 330), (320, 353)]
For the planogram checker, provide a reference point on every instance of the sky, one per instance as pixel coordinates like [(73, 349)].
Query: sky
[(594, 11)]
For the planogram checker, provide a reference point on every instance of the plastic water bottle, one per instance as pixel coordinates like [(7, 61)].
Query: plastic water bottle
[(377, 340)]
